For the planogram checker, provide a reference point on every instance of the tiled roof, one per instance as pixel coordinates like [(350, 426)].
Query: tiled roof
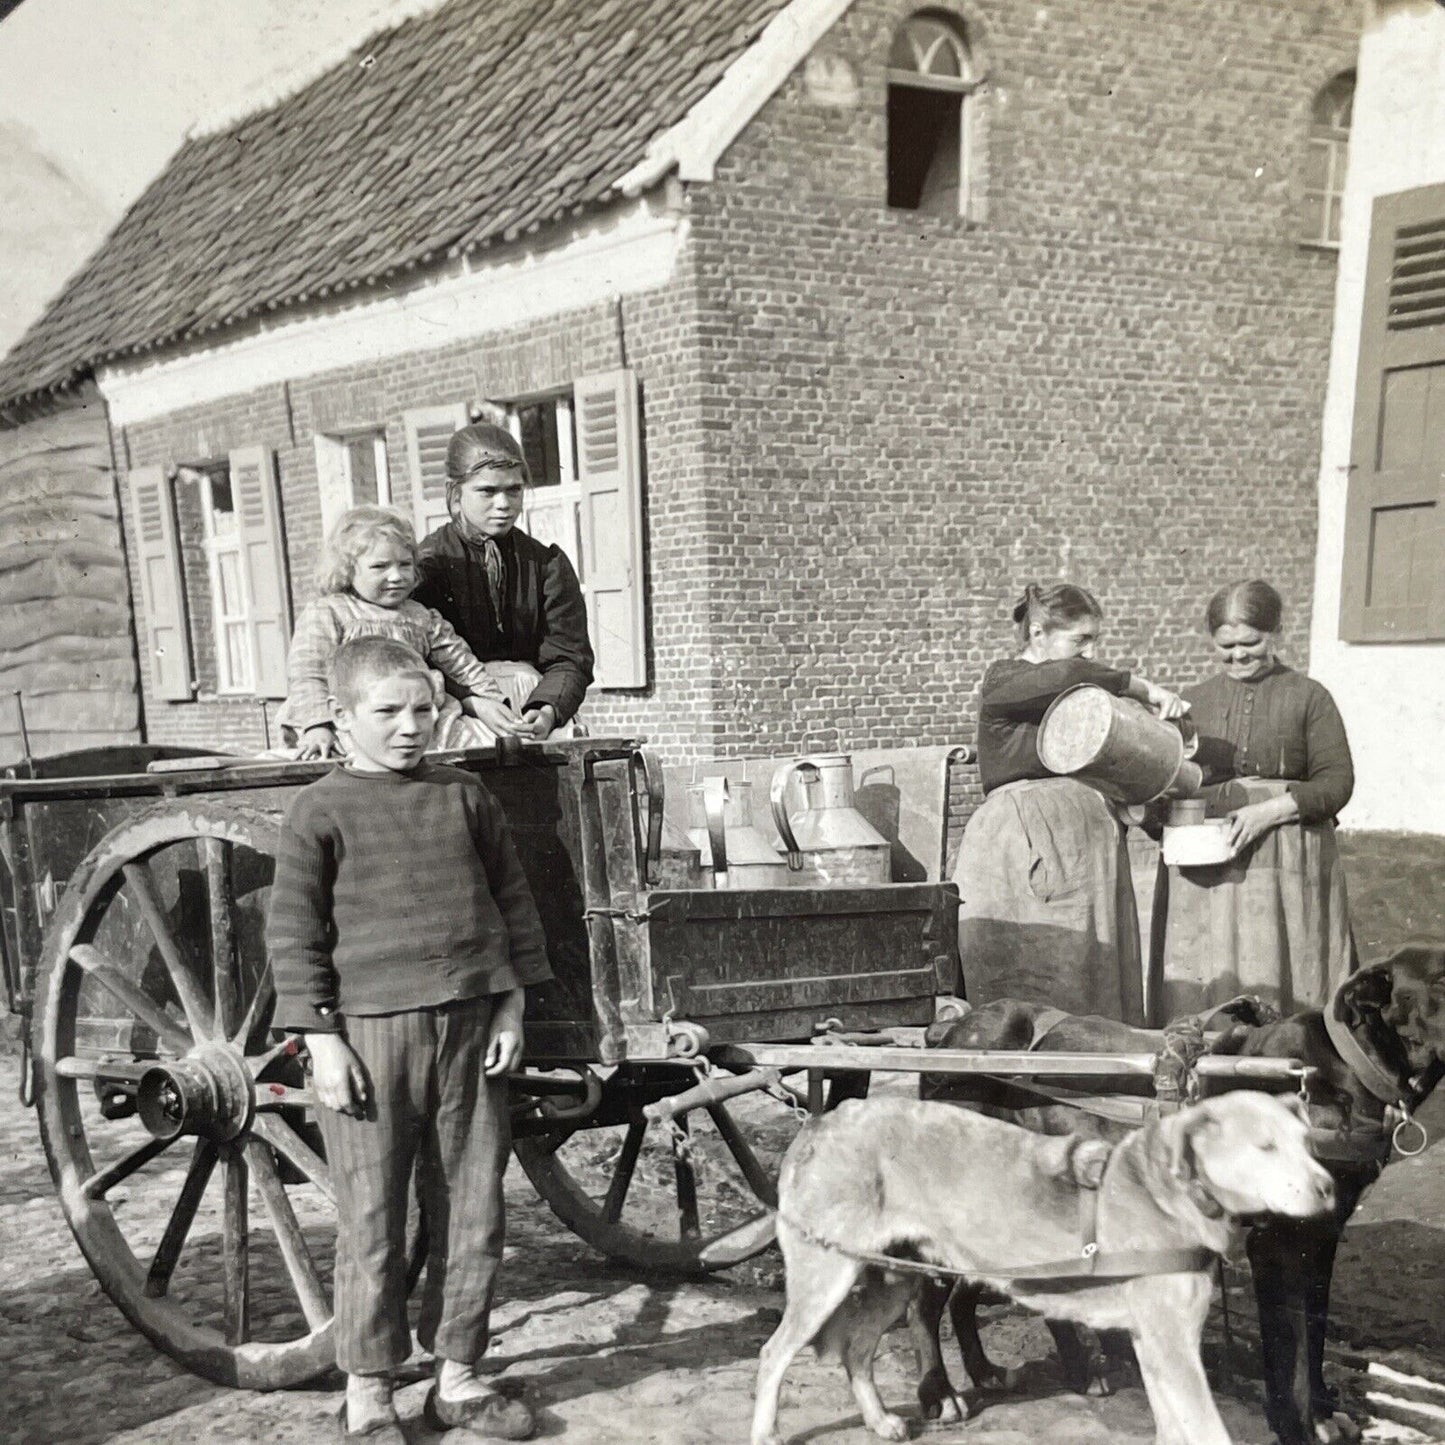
[(474, 123)]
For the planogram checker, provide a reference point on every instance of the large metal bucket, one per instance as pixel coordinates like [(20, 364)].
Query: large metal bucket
[(1116, 745)]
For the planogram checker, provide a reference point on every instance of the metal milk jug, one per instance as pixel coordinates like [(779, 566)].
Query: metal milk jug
[(721, 814), (829, 841)]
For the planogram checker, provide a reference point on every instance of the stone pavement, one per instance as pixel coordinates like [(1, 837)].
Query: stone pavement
[(608, 1355)]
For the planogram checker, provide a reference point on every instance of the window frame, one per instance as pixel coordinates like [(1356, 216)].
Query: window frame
[(1324, 204), (218, 546), (967, 88), (335, 478)]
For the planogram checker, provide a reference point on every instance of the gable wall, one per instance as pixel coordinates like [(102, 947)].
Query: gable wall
[(1116, 378)]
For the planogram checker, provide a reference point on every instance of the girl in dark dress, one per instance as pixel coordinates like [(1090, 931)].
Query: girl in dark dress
[(515, 601)]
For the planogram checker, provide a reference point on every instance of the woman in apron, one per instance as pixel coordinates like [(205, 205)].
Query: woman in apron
[(1048, 906), (1274, 920), (515, 601)]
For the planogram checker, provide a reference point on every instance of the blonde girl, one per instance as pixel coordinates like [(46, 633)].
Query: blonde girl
[(365, 579)]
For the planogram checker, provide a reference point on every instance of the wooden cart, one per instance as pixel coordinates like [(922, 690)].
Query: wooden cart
[(178, 1127)]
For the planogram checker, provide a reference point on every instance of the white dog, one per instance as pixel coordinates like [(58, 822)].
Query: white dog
[(930, 1181)]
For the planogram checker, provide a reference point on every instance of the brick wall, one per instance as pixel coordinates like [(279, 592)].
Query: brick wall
[(1116, 378), (865, 430), (653, 333)]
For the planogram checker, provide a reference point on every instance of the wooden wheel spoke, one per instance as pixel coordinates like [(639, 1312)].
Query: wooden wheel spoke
[(183, 980), (140, 1003), (216, 860), (102, 1181), (747, 1239), (265, 992), (759, 1181), (236, 1248), (178, 1226), (259, 1063), (289, 1238), (293, 1148), (626, 1164)]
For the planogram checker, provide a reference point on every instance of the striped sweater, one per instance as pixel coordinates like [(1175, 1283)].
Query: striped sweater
[(396, 891)]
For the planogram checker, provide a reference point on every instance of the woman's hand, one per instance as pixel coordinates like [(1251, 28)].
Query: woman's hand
[(1250, 823), (1169, 705), (337, 1079), (497, 716), (319, 742), (542, 720), (504, 1037)]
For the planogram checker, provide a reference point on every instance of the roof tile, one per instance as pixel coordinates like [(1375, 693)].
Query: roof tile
[(479, 120)]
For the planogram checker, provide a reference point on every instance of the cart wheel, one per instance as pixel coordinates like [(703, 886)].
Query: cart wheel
[(620, 1182), (165, 1111)]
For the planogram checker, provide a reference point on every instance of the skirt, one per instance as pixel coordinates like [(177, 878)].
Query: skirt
[(1048, 911), (1274, 922)]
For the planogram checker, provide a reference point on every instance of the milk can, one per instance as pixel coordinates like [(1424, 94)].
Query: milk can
[(735, 852), (668, 858), (829, 842), (1117, 746)]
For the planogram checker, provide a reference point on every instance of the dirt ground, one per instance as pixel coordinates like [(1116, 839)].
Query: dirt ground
[(615, 1355)]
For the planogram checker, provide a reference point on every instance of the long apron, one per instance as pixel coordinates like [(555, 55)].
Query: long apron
[(1048, 909), (1274, 921)]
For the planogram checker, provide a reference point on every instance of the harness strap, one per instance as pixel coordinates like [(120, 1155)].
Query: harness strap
[(1117, 1109)]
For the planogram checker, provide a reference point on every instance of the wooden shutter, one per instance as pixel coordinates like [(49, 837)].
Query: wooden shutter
[(167, 639), (263, 563), (1394, 583), (428, 430), (609, 468)]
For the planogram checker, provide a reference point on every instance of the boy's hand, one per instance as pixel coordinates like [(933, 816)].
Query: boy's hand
[(504, 1038), (337, 1078), (497, 716)]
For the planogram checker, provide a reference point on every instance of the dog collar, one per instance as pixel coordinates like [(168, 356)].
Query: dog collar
[(1386, 1089)]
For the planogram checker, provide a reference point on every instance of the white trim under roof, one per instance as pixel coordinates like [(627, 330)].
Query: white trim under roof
[(696, 142), (630, 249)]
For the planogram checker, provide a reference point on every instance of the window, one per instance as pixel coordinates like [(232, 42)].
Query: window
[(225, 517), (1393, 586), (584, 451), (1326, 161), (351, 471), (931, 82), (230, 608)]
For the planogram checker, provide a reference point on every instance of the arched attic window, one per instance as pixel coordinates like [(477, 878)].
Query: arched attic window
[(1326, 160), (931, 81)]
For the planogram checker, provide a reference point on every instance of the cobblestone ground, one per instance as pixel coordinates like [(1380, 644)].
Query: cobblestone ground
[(610, 1355)]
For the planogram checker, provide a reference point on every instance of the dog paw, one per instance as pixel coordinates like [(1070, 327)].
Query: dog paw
[(951, 1410), (1338, 1429), (889, 1427)]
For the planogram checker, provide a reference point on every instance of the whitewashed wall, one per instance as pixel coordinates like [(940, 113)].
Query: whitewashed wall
[(1392, 696)]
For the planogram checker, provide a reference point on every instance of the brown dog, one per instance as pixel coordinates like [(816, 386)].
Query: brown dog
[(925, 1181), (1394, 1011)]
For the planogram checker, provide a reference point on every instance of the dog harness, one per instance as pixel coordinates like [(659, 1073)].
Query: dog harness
[(1086, 1270)]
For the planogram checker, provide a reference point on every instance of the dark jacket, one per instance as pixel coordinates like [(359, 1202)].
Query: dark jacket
[(544, 618)]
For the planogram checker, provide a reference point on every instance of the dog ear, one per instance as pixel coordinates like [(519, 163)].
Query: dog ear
[(1364, 994), (1296, 1106), (1088, 1161), (1182, 1163)]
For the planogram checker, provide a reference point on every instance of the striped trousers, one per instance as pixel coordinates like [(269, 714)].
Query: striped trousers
[(432, 1109)]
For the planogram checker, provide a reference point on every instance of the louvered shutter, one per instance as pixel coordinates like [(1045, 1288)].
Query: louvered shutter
[(167, 638), (609, 468), (428, 430), (263, 562), (1394, 580)]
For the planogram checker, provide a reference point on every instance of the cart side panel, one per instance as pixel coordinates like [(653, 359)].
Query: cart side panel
[(773, 963)]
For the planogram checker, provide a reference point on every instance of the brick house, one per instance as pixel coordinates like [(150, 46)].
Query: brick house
[(827, 324)]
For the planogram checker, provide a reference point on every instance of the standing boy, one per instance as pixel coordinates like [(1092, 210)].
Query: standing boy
[(402, 934)]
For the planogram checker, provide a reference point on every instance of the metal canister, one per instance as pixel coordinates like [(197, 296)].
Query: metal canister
[(830, 843)]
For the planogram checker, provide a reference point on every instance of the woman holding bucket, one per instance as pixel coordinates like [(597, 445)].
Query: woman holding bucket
[(1274, 920), (1048, 905)]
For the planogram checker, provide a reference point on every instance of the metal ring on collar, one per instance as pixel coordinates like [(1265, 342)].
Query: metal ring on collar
[(1408, 1122)]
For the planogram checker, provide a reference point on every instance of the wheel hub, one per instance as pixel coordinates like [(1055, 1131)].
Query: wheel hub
[(209, 1093)]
